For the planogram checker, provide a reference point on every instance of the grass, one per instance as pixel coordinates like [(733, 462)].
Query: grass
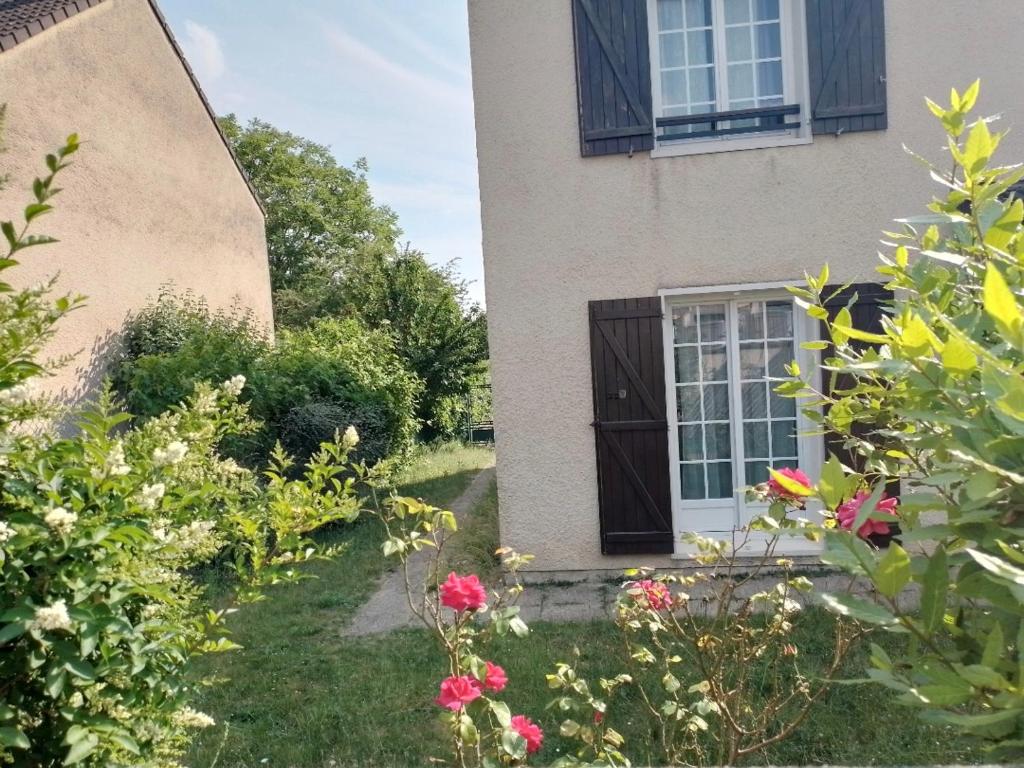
[(471, 550), (301, 695)]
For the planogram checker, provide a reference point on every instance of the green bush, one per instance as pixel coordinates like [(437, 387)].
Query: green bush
[(312, 383), (101, 533)]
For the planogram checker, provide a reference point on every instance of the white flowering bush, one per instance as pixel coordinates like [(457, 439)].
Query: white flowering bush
[(100, 536)]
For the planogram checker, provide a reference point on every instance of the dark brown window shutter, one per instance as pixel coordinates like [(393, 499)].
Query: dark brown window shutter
[(873, 302), (846, 65), (613, 76), (631, 426)]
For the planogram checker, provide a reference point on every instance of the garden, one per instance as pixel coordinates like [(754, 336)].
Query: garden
[(181, 572)]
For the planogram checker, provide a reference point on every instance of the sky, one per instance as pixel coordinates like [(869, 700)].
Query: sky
[(387, 80)]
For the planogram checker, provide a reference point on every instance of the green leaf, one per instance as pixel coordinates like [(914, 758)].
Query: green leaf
[(55, 680), (1000, 303), (945, 695), (832, 484), (979, 147), (14, 738), (81, 668), (859, 609), (957, 356), (793, 486), (82, 749), (893, 571), (1006, 226), (501, 713), (998, 567), (35, 210), (934, 586), (13, 630), (513, 744)]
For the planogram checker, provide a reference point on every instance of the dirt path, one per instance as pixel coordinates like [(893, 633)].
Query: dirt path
[(387, 609)]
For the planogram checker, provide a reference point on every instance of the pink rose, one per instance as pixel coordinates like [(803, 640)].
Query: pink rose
[(848, 511), (598, 717), (457, 692), (463, 592), (495, 680), (526, 728), (796, 475), (655, 593)]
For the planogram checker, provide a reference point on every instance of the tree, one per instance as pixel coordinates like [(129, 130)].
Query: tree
[(318, 212)]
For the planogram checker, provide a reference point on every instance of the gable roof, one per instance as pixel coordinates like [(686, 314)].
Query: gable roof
[(22, 19)]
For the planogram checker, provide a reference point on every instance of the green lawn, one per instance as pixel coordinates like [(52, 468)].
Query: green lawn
[(302, 695)]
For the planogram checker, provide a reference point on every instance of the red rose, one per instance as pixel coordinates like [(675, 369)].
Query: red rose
[(598, 717), (796, 475), (495, 680), (847, 514), (655, 593), (526, 728), (463, 592), (457, 692)]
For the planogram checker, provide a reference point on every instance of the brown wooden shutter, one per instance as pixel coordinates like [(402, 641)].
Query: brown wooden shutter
[(613, 76), (846, 65), (630, 426), (872, 304)]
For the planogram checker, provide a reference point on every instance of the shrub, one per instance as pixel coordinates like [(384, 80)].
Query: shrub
[(99, 533), (313, 383), (937, 400)]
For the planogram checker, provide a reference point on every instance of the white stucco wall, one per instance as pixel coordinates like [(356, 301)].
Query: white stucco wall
[(153, 196), (559, 230)]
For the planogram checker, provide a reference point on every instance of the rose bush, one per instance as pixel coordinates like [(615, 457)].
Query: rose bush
[(101, 533)]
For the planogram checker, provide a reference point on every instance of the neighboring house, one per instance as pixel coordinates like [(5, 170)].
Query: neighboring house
[(636, 260), (153, 197)]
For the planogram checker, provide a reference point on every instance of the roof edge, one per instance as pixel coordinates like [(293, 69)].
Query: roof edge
[(202, 97), (34, 27)]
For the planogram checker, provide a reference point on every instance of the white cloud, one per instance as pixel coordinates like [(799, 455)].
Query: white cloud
[(414, 42), (203, 51)]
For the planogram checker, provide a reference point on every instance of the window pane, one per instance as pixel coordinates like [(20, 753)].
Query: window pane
[(765, 10), (741, 81), (691, 442), (769, 45), (755, 405), (716, 402), (755, 439), (712, 322), (784, 438), (684, 323), (688, 403), (769, 78), (785, 463), (686, 364), (757, 472), (737, 44), (672, 50), (752, 360), (782, 407), (737, 11), (702, 84), (780, 320), (714, 363), (698, 13), (751, 320), (670, 14), (700, 48), (673, 86), (720, 480), (692, 478), (718, 437), (780, 354)]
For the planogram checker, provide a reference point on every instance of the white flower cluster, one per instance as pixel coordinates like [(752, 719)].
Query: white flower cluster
[(231, 467), (191, 718), (351, 438), (19, 394), (205, 402), (150, 495), (234, 385), (6, 532), (60, 520), (114, 465), (50, 618), (198, 537), (172, 454)]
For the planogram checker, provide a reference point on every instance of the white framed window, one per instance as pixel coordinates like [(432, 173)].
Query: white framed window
[(725, 351), (728, 74)]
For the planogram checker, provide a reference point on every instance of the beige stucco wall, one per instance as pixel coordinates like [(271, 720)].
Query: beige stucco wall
[(559, 230), (153, 196)]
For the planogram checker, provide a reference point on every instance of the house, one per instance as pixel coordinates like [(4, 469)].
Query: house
[(154, 197), (653, 173)]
